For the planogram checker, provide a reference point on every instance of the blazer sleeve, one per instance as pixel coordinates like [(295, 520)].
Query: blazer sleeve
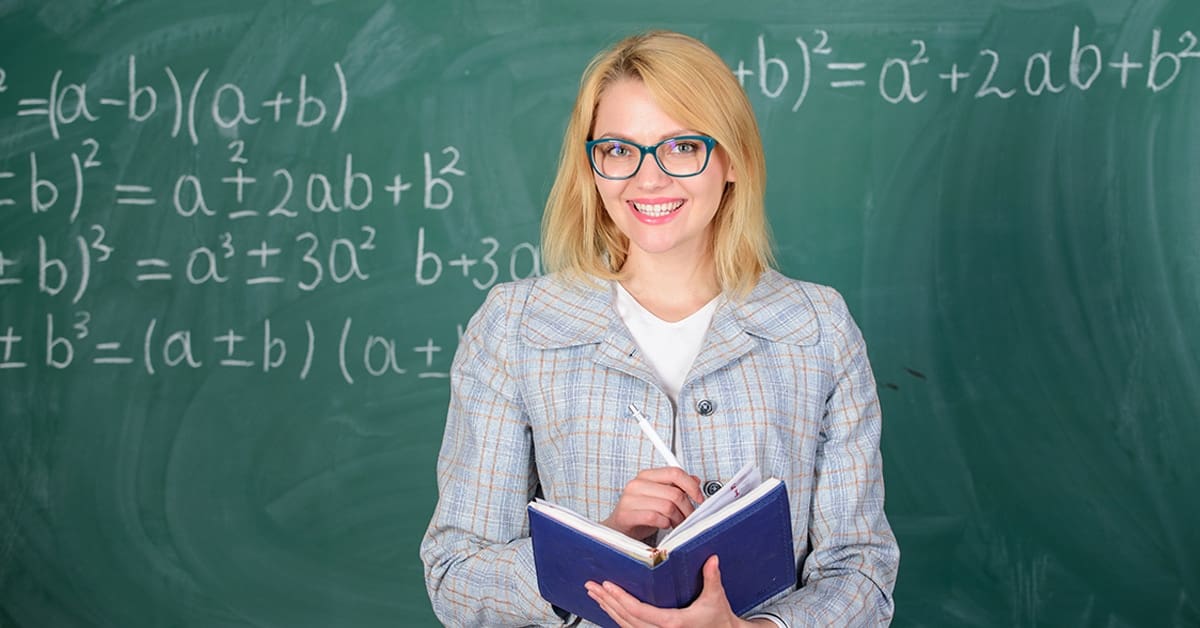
[(850, 572), (477, 553)]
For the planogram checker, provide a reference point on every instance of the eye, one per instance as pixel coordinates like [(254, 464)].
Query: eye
[(685, 147), (618, 149)]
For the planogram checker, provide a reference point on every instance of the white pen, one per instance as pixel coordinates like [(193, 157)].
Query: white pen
[(653, 436)]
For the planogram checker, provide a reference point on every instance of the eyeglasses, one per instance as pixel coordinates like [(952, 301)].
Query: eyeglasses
[(683, 156)]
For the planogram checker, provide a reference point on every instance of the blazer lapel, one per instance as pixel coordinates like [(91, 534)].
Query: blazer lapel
[(776, 310), (562, 314), (725, 342)]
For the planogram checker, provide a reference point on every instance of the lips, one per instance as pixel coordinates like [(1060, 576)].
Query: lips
[(656, 209)]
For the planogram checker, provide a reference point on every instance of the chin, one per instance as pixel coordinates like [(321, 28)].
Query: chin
[(654, 247)]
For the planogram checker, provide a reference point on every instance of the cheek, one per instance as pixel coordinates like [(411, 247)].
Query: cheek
[(710, 189), (610, 193)]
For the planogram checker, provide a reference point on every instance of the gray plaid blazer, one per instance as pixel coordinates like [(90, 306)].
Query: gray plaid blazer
[(539, 390)]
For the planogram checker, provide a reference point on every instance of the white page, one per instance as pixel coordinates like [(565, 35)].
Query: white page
[(624, 544), (746, 500), (745, 480)]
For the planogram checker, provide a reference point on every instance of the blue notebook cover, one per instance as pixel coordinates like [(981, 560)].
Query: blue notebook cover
[(755, 547)]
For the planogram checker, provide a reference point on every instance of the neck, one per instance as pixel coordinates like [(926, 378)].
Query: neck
[(671, 287)]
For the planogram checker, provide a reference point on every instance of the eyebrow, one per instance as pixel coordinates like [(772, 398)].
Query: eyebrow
[(666, 136)]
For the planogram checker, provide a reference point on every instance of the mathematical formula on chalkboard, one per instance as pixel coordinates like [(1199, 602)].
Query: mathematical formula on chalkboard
[(157, 349), (78, 196), (336, 260), (68, 102), (792, 69), (73, 188)]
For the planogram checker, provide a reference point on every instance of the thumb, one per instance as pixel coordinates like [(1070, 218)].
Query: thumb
[(712, 577)]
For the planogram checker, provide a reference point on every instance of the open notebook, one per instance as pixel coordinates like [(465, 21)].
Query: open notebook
[(747, 523)]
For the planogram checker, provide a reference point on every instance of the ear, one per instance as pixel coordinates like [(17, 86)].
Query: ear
[(730, 174)]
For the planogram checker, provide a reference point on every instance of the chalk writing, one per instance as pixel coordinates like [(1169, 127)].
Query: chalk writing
[(907, 78), (76, 195), (159, 348), (225, 106)]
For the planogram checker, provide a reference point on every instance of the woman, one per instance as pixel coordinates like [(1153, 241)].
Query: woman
[(663, 297)]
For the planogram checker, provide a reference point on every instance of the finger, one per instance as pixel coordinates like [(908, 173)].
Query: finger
[(712, 578), (677, 496), (655, 518), (599, 595), (604, 598), (635, 611), (671, 509), (604, 605), (626, 609), (668, 503), (689, 484), (637, 523), (657, 484)]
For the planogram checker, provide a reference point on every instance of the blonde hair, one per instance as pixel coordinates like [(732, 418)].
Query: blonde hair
[(694, 86)]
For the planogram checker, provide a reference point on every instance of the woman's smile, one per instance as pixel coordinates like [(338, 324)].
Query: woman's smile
[(656, 211)]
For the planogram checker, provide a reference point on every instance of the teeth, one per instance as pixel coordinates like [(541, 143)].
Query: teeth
[(657, 209)]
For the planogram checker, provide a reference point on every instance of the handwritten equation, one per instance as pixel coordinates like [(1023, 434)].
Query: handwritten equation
[(159, 349), (792, 69), (226, 105), (187, 196), (335, 260)]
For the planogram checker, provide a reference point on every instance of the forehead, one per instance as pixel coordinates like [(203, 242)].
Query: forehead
[(628, 109)]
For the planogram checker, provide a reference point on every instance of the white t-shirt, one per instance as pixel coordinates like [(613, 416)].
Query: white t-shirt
[(670, 348)]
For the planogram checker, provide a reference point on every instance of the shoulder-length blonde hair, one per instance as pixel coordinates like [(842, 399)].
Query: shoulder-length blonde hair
[(695, 87)]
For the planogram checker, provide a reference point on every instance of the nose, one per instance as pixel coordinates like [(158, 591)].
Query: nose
[(651, 176)]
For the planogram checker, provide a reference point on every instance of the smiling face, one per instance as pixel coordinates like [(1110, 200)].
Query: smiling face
[(663, 216)]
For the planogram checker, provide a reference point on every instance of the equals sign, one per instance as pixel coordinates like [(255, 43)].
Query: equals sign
[(133, 195), (7, 201), (847, 67), (151, 276), (33, 107), (110, 346)]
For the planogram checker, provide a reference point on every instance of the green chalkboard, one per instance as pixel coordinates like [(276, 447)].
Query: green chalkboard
[(238, 241)]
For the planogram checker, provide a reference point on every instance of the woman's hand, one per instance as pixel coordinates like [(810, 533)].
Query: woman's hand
[(655, 499), (710, 610)]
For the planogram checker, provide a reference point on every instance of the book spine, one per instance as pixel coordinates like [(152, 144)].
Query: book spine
[(684, 588), (671, 585)]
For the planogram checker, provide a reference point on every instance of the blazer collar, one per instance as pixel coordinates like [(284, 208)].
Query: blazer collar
[(561, 313)]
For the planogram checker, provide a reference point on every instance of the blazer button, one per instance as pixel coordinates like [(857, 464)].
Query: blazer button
[(711, 487), (705, 407)]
